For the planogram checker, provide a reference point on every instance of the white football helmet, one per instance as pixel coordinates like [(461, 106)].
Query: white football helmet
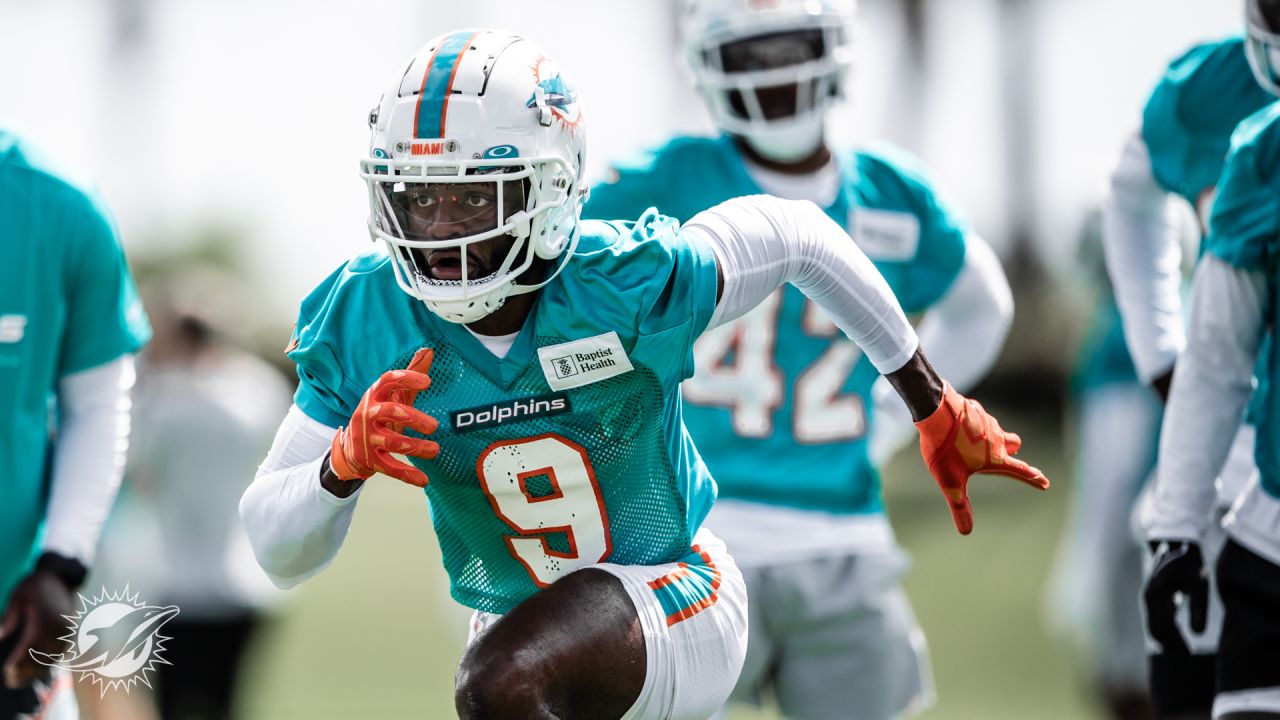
[(479, 137), (1262, 43), (736, 48)]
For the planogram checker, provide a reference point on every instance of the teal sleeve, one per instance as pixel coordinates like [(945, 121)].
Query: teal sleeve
[(322, 391), (633, 186), (673, 284), (681, 288), (105, 318), (1188, 120), (1246, 213), (940, 258)]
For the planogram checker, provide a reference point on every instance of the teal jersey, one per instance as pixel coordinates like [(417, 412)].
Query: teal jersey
[(1187, 123), (567, 452), (781, 392), (1189, 120), (67, 303), (1244, 230)]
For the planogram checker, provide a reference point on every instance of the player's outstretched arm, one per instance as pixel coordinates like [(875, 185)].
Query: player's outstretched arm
[(1144, 257), (298, 509), (762, 242)]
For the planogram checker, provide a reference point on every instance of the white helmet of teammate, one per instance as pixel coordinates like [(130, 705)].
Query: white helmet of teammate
[(479, 137), (1262, 44), (736, 48)]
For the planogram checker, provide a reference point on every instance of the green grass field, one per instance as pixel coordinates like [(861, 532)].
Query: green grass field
[(377, 636)]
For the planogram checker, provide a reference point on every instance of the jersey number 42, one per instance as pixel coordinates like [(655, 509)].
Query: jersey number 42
[(736, 370)]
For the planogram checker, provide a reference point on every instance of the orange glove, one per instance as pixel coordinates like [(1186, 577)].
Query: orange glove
[(376, 430), (960, 439)]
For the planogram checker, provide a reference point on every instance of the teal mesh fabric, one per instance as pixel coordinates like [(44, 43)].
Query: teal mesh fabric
[(616, 421)]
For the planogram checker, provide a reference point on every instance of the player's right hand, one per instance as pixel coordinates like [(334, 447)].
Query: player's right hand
[(961, 439), (376, 430), (37, 612)]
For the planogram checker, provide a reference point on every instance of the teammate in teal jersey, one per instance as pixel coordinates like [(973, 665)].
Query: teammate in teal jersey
[(1233, 300), (529, 362), (70, 322), (1179, 153), (780, 392)]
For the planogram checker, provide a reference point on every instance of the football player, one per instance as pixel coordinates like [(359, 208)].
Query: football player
[(70, 323), (529, 363), (1233, 299), (780, 392), (1178, 153)]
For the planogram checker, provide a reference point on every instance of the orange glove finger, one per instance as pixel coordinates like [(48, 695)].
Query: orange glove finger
[(1012, 443), (403, 472), (403, 385), (397, 417), (962, 515), (425, 449), (421, 362), (1018, 470)]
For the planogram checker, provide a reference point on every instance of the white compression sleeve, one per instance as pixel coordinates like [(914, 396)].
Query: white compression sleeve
[(88, 458), (1211, 386), (761, 242), (1140, 238), (962, 334), (294, 525)]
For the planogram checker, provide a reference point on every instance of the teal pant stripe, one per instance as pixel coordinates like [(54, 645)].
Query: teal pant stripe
[(687, 589)]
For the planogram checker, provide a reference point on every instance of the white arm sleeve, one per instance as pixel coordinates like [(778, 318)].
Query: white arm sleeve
[(88, 458), (962, 334), (1140, 238), (1211, 386), (761, 242), (294, 525)]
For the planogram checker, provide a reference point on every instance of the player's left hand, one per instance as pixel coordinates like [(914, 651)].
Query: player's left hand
[(959, 440), (1182, 681), (1177, 574), (35, 612)]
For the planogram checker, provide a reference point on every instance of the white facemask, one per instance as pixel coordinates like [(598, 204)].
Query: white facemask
[(789, 142)]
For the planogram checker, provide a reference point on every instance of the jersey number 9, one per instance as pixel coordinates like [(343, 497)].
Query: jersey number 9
[(574, 506)]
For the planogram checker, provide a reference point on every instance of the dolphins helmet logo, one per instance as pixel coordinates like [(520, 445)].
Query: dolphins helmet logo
[(554, 93), (114, 639)]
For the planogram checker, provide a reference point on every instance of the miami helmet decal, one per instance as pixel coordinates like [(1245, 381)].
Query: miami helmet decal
[(553, 93)]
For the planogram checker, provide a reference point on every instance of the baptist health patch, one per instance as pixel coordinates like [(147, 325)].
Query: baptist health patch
[(582, 362), (885, 235)]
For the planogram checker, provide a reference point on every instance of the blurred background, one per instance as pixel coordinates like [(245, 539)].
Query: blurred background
[(225, 136)]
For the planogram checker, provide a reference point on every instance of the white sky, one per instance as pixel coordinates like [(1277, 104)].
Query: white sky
[(252, 113)]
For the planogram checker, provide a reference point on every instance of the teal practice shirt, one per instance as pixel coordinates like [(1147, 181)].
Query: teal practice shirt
[(67, 304), (1244, 230), (781, 406), (1188, 120), (568, 451)]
